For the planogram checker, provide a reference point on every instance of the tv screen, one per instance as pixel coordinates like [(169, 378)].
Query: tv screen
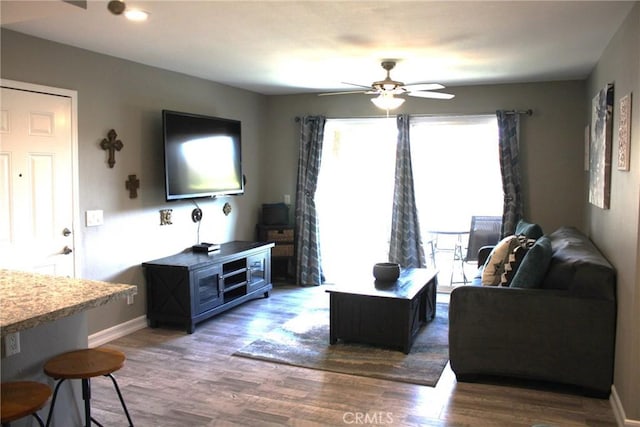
[(202, 156)]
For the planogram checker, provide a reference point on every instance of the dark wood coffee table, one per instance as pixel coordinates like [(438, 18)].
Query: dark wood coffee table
[(384, 314)]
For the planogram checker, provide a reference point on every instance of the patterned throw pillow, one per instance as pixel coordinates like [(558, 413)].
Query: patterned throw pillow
[(515, 260), (504, 260)]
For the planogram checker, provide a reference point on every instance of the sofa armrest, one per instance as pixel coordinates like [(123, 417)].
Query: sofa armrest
[(532, 333)]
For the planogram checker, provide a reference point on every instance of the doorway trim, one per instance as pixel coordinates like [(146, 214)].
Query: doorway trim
[(73, 96)]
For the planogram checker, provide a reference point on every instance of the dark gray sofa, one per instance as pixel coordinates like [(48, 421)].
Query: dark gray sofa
[(562, 331)]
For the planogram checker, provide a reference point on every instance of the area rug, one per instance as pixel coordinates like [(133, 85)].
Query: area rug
[(304, 341)]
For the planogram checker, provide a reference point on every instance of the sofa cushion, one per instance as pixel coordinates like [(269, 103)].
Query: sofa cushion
[(498, 268), (578, 266), (530, 230), (534, 265)]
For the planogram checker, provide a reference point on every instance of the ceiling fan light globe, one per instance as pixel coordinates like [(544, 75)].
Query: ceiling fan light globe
[(387, 102), (137, 15)]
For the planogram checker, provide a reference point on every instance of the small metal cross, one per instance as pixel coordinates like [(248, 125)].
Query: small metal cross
[(112, 144), (132, 185)]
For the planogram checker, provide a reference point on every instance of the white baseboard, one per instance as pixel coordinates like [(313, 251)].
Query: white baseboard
[(618, 411), (110, 334)]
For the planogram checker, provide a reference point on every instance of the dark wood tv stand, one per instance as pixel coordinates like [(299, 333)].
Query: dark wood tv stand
[(189, 287)]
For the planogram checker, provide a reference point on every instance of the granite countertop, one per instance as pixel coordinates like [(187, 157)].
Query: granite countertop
[(30, 299)]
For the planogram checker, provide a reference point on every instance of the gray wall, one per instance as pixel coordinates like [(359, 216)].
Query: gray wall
[(552, 143), (616, 230), (129, 97)]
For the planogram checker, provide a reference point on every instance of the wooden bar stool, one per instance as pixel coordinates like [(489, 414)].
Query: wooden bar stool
[(21, 398), (84, 365)]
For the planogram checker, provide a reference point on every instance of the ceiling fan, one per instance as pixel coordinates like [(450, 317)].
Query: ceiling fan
[(79, 3), (387, 88), (118, 7)]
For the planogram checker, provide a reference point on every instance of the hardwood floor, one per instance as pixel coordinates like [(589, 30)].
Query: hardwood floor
[(171, 379)]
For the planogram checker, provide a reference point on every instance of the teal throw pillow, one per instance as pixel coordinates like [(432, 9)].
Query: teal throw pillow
[(534, 265), (530, 230)]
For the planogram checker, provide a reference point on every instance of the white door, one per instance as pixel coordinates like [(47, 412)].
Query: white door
[(36, 182)]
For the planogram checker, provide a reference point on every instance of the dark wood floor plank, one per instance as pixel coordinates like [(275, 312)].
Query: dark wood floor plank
[(175, 379)]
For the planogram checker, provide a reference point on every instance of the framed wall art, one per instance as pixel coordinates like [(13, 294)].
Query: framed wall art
[(624, 133), (587, 143), (600, 147)]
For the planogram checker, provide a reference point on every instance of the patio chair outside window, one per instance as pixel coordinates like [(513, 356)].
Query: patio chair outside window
[(484, 231)]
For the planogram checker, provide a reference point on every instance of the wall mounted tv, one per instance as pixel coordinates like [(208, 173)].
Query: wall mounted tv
[(202, 156)]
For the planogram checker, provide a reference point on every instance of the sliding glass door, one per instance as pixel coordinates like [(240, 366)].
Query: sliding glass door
[(456, 170), (355, 193), (456, 175)]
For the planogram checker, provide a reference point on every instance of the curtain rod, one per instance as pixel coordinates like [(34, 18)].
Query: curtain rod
[(298, 118), (528, 112)]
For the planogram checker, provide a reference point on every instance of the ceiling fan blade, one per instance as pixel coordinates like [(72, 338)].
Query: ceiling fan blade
[(356, 84), (423, 86), (79, 3), (343, 93), (432, 95)]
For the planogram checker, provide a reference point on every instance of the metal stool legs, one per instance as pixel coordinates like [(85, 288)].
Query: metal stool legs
[(124, 406), (86, 397)]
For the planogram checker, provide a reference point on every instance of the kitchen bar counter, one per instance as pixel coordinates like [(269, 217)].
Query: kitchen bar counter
[(30, 299)]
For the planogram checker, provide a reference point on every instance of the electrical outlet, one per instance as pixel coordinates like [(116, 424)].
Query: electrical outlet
[(12, 344), (129, 299), (287, 199), (94, 218)]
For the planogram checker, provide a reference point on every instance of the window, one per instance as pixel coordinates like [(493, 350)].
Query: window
[(456, 175), (355, 194), (456, 170)]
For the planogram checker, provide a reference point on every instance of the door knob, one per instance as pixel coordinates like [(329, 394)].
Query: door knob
[(67, 250), (66, 232)]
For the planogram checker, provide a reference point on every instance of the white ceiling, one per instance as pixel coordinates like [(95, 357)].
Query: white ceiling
[(284, 47)]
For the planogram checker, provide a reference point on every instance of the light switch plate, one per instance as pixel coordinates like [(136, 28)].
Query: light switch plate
[(94, 218)]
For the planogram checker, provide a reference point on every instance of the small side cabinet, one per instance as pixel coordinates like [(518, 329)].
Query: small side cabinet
[(283, 253)]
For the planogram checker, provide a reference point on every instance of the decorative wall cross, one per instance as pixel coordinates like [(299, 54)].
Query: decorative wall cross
[(132, 185), (112, 144)]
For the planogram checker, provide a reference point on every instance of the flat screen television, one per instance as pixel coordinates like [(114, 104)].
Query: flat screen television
[(202, 156)]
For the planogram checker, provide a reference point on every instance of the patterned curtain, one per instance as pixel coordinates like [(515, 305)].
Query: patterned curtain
[(406, 244), (509, 133), (308, 268)]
